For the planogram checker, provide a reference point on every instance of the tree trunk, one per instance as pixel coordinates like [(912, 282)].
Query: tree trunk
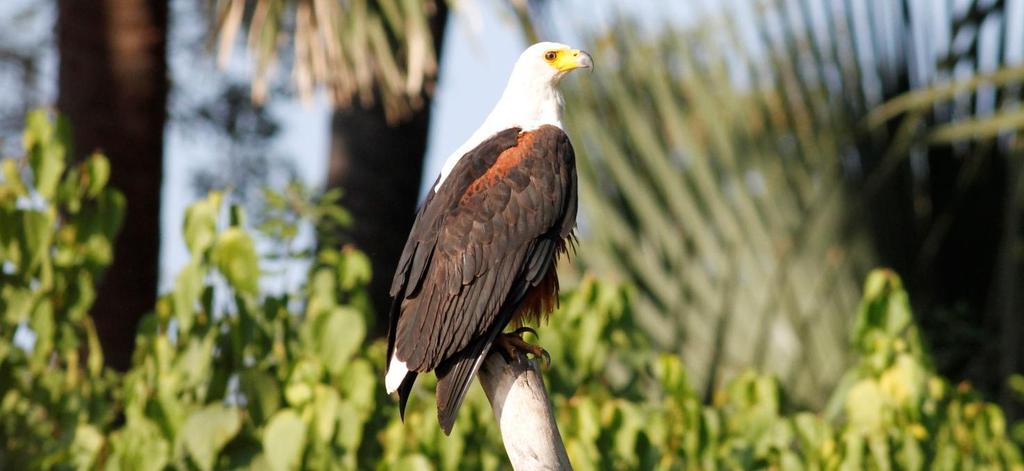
[(379, 167), (113, 88)]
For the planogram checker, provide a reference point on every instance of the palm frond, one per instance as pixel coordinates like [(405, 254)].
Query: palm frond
[(737, 172), (360, 51)]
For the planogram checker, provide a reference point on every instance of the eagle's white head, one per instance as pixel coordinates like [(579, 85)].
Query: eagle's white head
[(544, 64), (531, 98)]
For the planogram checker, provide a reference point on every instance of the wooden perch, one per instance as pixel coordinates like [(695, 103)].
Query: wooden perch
[(521, 405)]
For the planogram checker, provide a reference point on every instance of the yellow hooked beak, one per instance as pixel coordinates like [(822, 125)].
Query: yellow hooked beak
[(569, 59)]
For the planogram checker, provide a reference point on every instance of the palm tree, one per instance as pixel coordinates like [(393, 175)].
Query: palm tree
[(113, 87), (378, 62)]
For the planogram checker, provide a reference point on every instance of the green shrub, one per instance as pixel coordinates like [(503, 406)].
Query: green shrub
[(891, 411), (230, 374), (56, 226)]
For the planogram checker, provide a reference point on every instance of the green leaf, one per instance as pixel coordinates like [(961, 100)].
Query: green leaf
[(11, 177), (47, 160), (82, 296), (46, 145), (112, 208), (359, 385), (95, 361), (876, 284), (234, 254), (42, 323), (354, 269), (87, 443), (99, 251), (208, 430), (298, 393), (188, 286), (864, 406), (898, 316), (284, 440), (325, 416), (98, 169), (170, 409), (415, 462), (262, 393), (193, 364), (139, 446), (17, 303), (200, 226), (338, 334), (34, 239), (322, 297), (812, 430), (350, 428), (37, 129), (70, 191), (910, 454)]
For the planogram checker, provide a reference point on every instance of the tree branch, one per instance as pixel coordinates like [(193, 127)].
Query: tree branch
[(521, 405)]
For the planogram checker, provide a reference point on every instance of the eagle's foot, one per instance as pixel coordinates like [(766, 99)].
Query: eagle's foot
[(513, 341)]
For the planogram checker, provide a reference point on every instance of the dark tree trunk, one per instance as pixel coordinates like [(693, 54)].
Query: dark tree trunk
[(113, 88), (379, 167), (948, 237)]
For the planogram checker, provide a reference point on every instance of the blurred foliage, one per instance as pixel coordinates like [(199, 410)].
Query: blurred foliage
[(746, 171), (724, 205), (226, 376), (57, 223)]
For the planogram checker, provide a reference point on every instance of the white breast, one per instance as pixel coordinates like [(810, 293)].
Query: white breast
[(523, 105)]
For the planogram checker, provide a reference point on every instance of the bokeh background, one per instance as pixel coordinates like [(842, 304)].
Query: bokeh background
[(220, 265)]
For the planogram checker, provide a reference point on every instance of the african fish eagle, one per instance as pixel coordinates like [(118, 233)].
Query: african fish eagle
[(481, 254)]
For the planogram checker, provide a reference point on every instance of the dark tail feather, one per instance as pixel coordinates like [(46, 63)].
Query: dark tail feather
[(404, 390), (455, 375), (454, 379)]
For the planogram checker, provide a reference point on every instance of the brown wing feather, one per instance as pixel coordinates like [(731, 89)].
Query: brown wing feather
[(484, 245), (419, 248)]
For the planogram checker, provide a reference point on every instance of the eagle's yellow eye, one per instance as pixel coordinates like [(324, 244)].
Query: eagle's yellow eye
[(550, 56)]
